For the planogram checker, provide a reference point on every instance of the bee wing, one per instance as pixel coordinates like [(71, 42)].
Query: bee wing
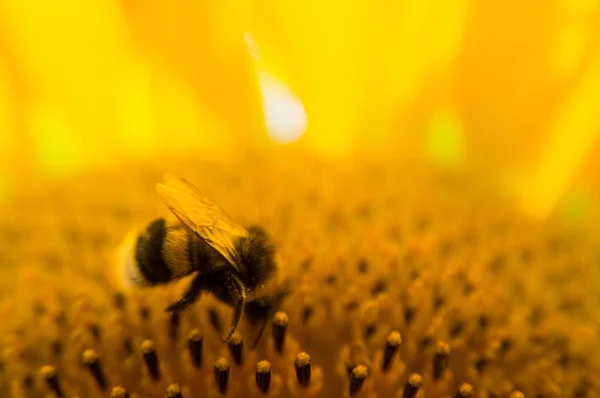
[(207, 220)]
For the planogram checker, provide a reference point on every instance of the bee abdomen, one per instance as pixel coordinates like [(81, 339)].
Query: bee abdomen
[(159, 255), (149, 254), (179, 252)]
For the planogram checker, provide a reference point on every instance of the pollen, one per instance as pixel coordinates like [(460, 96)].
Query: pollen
[(402, 283)]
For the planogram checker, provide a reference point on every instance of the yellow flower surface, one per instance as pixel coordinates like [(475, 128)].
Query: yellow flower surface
[(428, 169), (403, 281)]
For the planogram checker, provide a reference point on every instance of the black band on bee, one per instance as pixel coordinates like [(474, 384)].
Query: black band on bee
[(195, 247), (148, 254)]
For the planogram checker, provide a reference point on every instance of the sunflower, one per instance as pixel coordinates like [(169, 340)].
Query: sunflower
[(428, 169)]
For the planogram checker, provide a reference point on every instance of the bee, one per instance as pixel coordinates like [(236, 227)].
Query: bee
[(229, 260)]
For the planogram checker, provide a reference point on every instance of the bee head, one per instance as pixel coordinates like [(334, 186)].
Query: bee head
[(258, 256)]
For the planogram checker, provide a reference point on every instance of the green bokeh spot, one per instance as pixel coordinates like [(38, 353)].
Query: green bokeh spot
[(58, 153), (576, 206), (445, 143)]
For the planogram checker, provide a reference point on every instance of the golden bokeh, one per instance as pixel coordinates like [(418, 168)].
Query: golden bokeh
[(505, 89), (450, 144)]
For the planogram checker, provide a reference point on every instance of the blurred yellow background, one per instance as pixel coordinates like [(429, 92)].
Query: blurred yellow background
[(505, 90)]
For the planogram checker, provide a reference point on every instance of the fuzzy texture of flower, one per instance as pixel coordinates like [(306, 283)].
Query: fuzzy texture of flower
[(424, 271)]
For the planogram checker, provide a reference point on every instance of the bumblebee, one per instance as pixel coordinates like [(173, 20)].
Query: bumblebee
[(229, 260)]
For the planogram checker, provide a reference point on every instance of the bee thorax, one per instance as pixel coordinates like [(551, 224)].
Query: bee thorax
[(258, 256)]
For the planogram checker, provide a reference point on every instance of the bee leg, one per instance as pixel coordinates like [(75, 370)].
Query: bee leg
[(283, 291), (262, 329), (189, 296), (237, 294)]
